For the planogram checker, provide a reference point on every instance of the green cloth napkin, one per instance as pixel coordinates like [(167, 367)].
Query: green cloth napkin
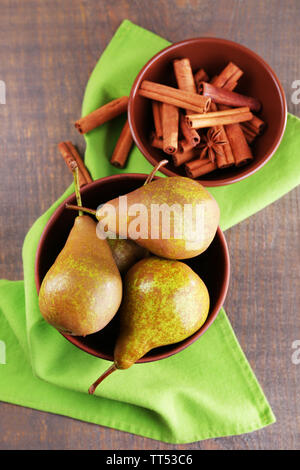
[(206, 391)]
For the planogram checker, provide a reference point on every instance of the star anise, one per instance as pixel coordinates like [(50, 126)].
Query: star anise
[(212, 144)]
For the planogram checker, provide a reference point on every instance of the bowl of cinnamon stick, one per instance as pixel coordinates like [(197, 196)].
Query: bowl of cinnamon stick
[(212, 107)]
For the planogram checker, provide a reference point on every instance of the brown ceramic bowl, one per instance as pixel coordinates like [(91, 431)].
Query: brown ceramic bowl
[(212, 266), (213, 55)]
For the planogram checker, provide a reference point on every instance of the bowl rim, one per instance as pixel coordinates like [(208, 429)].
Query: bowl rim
[(75, 340), (244, 172)]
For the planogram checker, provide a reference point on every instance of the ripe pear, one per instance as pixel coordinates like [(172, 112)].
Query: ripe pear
[(172, 195), (82, 290), (125, 253), (177, 217), (164, 302)]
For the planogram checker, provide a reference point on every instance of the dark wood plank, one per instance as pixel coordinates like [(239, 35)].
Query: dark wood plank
[(47, 51)]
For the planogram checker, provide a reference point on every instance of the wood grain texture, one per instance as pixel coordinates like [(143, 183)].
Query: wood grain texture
[(47, 52)]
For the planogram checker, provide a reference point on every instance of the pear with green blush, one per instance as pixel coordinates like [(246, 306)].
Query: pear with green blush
[(164, 302)]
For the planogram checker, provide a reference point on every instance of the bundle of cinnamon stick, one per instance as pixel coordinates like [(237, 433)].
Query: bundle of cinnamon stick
[(203, 125)]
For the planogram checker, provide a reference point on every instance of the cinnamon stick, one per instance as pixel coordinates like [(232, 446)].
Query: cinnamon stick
[(256, 124), (181, 157), (199, 167), (229, 75), (170, 116), (156, 142), (248, 133), (184, 75), (228, 98), (231, 86), (224, 158), (240, 148), (222, 117), (185, 81), (184, 146), (101, 115), (191, 135), (122, 148), (236, 138), (197, 162), (175, 97), (70, 154), (200, 76), (156, 109)]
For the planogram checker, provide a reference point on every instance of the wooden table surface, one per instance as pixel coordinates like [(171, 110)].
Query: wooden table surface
[(47, 52)]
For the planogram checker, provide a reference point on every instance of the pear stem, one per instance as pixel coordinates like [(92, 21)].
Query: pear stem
[(155, 169), (84, 209), (109, 371), (74, 168)]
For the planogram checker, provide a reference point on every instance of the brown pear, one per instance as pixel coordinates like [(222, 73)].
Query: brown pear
[(82, 290), (126, 253), (166, 222), (164, 302)]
